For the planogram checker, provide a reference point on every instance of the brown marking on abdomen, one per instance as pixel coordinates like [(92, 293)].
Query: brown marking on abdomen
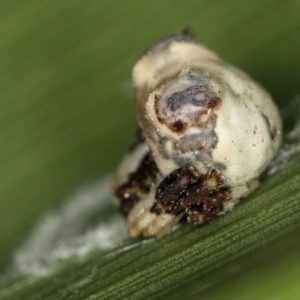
[(202, 197), (138, 184)]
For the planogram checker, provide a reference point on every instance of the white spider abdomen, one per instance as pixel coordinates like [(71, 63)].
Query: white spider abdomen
[(207, 134), (201, 111)]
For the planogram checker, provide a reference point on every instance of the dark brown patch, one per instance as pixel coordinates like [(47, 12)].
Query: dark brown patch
[(178, 126), (213, 103), (202, 197), (209, 207), (171, 188), (204, 200), (174, 185), (206, 184), (138, 184)]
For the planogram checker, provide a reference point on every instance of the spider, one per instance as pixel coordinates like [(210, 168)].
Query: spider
[(207, 132)]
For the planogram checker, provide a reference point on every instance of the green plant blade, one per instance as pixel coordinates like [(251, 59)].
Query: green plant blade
[(64, 122)]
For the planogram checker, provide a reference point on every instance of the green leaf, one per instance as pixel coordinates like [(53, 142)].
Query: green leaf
[(67, 116)]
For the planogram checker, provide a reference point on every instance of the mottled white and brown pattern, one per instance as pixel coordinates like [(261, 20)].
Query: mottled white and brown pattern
[(207, 132)]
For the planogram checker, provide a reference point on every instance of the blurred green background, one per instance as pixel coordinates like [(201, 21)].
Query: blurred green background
[(67, 111)]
